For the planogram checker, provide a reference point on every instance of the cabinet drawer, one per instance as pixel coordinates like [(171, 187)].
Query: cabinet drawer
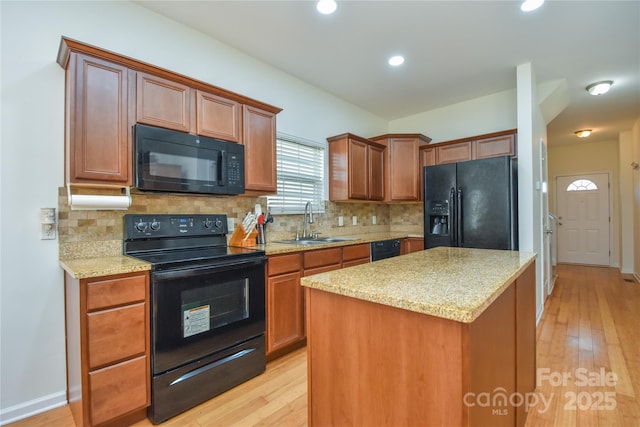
[(282, 264), (118, 389), (323, 269), (350, 253), (116, 334), (322, 257), (351, 263), (116, 291)]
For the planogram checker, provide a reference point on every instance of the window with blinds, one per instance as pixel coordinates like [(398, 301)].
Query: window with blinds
[(300, 166)]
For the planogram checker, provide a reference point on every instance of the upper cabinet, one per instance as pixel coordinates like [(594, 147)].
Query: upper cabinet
[(98, 142), (108, 93), (356, 168), (217, 117), (259, 139), (163, 103), (402, 160), (471, 148)]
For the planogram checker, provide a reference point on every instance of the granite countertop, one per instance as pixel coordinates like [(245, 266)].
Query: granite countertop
[(451, 283), (83, 268), (93, 259), (272, 248)]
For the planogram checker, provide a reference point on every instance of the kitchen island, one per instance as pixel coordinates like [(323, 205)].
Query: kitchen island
[(440, 337)]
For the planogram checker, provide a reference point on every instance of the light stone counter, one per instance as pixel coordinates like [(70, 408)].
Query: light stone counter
[(272, 248), (451, 283), (83, 268)]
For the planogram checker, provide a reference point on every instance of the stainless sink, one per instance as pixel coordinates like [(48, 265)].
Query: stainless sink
[(318, 241)]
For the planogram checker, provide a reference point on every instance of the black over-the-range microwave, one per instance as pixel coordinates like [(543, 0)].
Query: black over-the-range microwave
[(172, 161)]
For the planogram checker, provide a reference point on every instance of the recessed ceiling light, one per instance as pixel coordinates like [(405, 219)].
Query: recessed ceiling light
[(599, 88), (326, 7), (396, 60), (530, 5), (583, 133)]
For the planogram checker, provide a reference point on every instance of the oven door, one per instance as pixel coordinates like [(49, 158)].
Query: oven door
[(202, 310)]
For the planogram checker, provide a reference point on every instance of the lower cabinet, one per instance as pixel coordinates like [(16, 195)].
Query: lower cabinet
[(356, 254), (108, 348), (411, 244), (286, 328), (285, 304)]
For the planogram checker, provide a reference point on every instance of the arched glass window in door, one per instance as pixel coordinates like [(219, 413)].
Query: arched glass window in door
[(582, 185)]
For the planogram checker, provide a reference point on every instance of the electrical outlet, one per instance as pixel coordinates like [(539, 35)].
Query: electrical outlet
[(340, 221), (231, 224), (355, 220), (374, 220)]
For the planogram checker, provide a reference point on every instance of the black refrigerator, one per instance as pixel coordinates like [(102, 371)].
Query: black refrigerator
[(472, 204)]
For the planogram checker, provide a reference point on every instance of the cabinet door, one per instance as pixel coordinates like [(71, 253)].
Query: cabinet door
[(453, 153), (376, 172), (411, 244), (99, 145), (403, 155), (358, 170), (217, 117), (427, 157), (493, 147), (164, 103), (285, 311), (259, 139)]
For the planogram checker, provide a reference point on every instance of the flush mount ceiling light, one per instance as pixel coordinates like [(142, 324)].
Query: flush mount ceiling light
[(396, 60), (326, 7), (583, 133), (599, 88), (530, 5)]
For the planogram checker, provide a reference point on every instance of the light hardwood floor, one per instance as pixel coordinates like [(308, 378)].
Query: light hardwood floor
[(591, 324)]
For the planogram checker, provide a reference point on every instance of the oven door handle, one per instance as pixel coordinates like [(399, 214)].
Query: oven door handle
[(191, 271)]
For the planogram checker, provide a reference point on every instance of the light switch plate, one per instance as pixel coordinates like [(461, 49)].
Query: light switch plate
[(355, 220), (374, 220)]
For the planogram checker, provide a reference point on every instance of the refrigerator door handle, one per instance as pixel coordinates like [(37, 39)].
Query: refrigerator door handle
[(459, 234), (453, 230)]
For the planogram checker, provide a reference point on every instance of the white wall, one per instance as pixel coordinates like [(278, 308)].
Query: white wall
[(477, 116), (531, 134), (32, 346)]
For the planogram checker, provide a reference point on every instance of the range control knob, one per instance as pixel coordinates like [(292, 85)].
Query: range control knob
[(208, 223), (155, 226), (141, 226), (218, 223)]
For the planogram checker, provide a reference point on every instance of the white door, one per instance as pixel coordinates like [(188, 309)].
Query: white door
[(583, 219)]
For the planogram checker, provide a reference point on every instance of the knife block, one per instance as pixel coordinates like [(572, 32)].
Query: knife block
[(238, 237)]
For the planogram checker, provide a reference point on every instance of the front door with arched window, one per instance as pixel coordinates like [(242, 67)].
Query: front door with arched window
[(583, 219)]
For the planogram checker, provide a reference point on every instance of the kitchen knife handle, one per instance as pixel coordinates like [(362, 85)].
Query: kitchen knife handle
[(459, 219)]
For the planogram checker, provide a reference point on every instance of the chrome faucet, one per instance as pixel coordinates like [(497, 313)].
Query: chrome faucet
[(308, 208)]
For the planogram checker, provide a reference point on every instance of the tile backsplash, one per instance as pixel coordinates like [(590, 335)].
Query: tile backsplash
[(78, 227)]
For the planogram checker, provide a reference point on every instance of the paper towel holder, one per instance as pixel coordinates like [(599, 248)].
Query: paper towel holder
[(99, 202)]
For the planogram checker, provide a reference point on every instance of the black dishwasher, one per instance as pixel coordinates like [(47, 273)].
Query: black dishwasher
[(385, 249)]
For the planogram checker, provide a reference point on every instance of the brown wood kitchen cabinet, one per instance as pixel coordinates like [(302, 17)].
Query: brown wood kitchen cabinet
[(453, 153), (98, 143), (285, 304), (402, 160), (356, 255), (474, 147), (108, 93), (163, 103), (356, 168), (259, 139), (411, 244), (108, 348)]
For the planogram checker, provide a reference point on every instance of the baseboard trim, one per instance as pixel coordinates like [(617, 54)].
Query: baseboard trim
[(32, 407)]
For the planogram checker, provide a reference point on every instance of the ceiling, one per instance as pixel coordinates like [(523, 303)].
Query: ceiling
[(455, 51)]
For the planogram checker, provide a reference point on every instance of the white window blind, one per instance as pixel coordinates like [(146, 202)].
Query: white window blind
[(300, 166)]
